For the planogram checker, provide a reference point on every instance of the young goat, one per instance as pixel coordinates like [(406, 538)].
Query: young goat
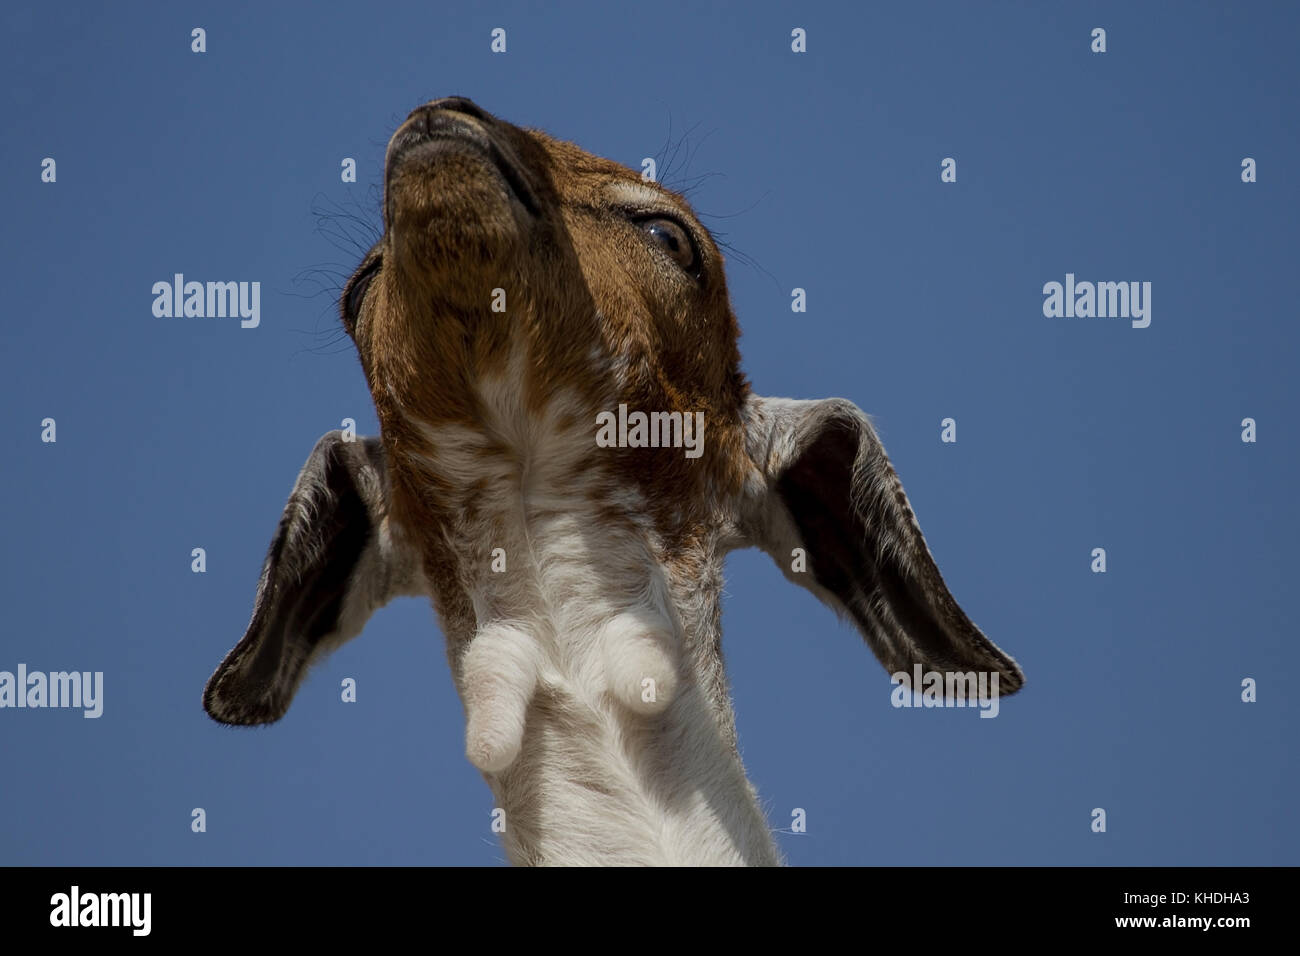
[(552, 355)]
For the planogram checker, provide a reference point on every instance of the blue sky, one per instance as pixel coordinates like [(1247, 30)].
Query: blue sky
[(924, 302)]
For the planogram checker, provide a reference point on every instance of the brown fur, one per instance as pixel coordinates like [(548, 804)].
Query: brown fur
[(575, 278)]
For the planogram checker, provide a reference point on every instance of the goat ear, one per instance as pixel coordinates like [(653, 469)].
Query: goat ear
[(824, 484), (335, 559)]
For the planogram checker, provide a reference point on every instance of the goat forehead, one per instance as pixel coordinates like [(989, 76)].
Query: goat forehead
[(586, 178), (572, 160)]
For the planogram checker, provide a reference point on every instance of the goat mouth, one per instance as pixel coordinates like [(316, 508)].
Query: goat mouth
[(443, 130)]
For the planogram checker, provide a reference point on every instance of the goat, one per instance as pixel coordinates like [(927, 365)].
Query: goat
[(522, 294)]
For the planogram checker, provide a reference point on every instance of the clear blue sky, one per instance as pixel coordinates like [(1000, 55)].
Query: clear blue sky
[(924, 302)]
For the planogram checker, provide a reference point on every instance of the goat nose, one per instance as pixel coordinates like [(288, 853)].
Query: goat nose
[(455, 104)]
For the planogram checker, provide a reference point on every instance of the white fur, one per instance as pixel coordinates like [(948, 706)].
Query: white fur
[(498, 677), (591, 761)]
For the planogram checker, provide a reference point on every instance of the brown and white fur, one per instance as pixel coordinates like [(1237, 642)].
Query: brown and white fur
[(591, 668)]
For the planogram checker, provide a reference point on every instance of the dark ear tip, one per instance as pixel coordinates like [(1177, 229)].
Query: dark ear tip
[(1010, 681), (234, 709)]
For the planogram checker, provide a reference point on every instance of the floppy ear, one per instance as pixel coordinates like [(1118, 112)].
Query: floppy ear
[(335, 559), (824, 484)]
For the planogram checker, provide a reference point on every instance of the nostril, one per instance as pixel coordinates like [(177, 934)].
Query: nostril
[(458, 104)]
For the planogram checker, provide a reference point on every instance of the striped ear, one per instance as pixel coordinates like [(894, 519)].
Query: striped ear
[(827, 487), (335, 559)]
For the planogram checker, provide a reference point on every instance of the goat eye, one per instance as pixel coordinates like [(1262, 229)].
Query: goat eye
[(356, 292), (675, 240)]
